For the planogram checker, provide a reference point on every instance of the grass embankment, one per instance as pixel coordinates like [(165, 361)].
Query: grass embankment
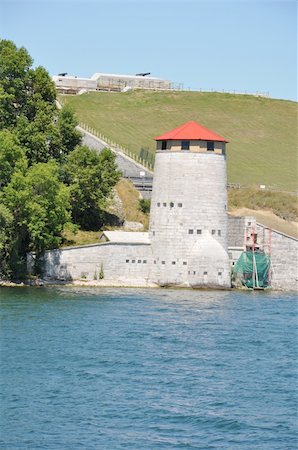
[(129, 211), (262, 131), (277, 210), (80, 237), (129, 197), (281, 204)]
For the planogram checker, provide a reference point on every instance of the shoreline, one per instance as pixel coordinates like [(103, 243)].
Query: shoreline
[(108, 284)]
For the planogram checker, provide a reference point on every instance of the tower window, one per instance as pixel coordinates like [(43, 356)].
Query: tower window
[(190, 231), (184, 263), (158, 204), (219, 232), (144, 261), (184, 145), (199, 231), (213, 232), (171, 205), (210, 146), (127, 260), (164, 204), (139, 261), (205, 273), (163, 145), (163, 262), (173, 262), (179, 205)]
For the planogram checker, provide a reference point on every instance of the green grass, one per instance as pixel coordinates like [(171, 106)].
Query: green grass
[(80, 237), (281, 204), (262, 132)]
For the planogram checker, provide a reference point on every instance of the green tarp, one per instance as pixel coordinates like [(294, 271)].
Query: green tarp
[(252, 270)]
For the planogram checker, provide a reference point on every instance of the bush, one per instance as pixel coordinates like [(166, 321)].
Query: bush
[(144, 205)]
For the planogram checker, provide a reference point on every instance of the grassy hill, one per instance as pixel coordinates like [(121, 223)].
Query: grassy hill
[(262, 132)]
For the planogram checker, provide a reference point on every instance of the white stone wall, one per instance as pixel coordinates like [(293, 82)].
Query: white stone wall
[(118, 262), (74, 83), (188, 206), (284, 257)]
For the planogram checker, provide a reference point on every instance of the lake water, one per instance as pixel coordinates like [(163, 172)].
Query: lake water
[(97, 368)]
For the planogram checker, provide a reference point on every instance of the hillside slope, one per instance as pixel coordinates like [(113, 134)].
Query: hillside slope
[(262, 132)]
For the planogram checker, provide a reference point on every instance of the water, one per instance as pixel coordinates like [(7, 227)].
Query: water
[(147, 369)]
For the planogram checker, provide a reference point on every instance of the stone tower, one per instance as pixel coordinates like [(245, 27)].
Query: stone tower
[(188, 218)]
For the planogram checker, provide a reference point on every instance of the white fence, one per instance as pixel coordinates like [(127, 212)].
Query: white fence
[(117, 147)]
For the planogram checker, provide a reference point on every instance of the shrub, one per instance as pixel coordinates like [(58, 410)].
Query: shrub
[(144, 205)]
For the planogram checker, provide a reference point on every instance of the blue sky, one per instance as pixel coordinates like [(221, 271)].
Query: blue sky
[(220, 45)]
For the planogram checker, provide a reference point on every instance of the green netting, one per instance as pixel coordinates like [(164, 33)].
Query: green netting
[(252, 270)]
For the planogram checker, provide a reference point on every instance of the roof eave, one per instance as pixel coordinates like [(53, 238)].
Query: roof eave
[(189, 139)]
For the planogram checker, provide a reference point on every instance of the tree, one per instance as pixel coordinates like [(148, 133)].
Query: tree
[(14, 80), (28, 107), (6, 222), (91, 177), (44, 178), (70, 136), (40, 207), (12, 157)]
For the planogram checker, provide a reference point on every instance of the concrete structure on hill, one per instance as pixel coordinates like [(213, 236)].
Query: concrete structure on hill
[(67, 84), (190, 242)]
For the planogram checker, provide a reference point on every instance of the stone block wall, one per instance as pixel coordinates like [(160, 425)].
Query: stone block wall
[(236, 229), (133, 264), (284, 257), (188, 208), (117, 263)]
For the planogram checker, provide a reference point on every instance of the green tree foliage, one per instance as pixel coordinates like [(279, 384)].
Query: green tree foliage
[(39, 205), (91, 177), (6, 221), (14, 79), (47, 136), (44, 179), (12, 157), (28, 107), (144, 205), (70, 136)]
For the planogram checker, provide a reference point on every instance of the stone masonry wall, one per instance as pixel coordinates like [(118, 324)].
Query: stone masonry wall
[(284, 257), (188, 204), (120, 263)]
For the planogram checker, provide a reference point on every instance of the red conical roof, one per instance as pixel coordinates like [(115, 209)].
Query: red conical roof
[(190, 131)]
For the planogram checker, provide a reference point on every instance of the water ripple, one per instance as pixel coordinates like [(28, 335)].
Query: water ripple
[(99, 368)]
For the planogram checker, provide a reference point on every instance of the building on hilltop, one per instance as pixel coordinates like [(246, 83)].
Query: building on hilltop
[(67, 84), (187, 240)]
